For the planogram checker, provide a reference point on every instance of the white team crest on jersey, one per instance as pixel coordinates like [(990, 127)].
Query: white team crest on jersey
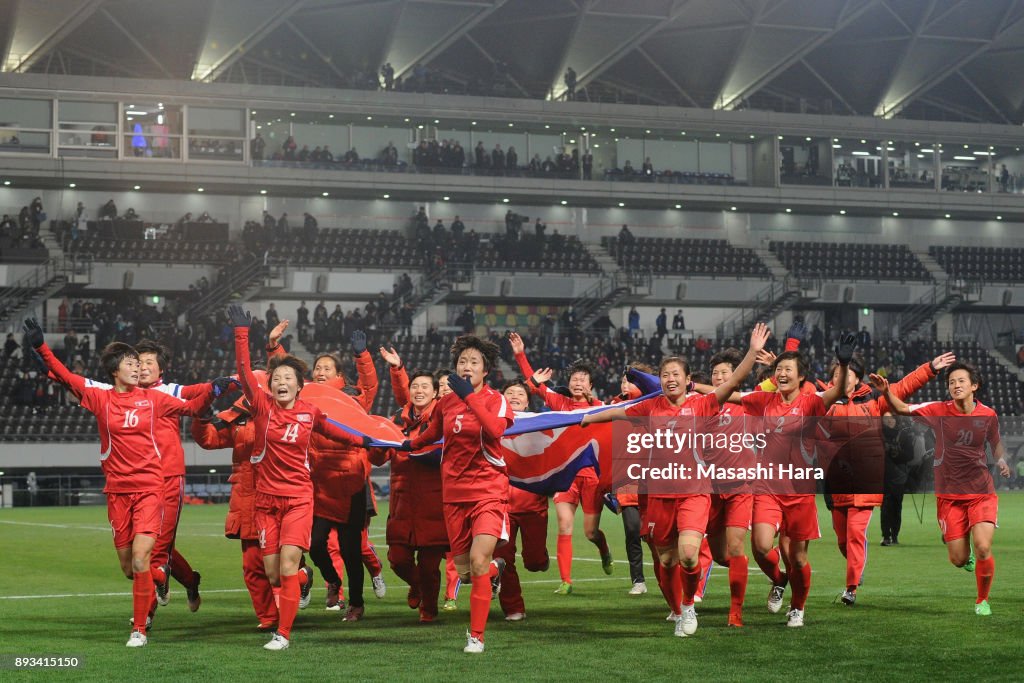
[(141, 403), (304, 417)]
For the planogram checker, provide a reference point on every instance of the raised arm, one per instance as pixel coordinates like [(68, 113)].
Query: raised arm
[(209, 437), (895, 403), (844, 353), (399, 377), (366, 373), (758, 337), (240, 320), (604, 416), (494, 419), (433, 431)]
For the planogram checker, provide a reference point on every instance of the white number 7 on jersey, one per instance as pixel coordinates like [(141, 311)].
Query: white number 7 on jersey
[(291, 433)]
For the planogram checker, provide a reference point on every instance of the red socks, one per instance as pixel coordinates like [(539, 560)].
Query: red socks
[(142, 595), (801, 579), (672, 577), (690, 580), (181, 569), (158, 575), (984, 571), (769, 564), (288, 603), (738, 574), (565, 557), (480, 604)]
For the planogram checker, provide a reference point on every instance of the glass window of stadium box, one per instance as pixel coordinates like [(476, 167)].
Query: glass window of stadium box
[(805, 160), (911, 165), (1008, 168), (25, 126), (964, 169), (858, 162), (87, 129), (681, 157), (151, 131), (216, 134)]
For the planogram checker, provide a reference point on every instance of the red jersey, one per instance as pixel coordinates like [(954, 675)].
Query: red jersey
[(789, 437), (283, 436), (731, 420), (472, 468), (523, 502), (960, 462), (168, 429), (693, 406), (131, 455)]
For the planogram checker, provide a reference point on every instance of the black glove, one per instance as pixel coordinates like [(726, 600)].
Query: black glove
[(404, 446), (844, 349), (358, 342), (797, 331), (33, 333), (238, 316), (460, 385), (222, 384), (366, 441)]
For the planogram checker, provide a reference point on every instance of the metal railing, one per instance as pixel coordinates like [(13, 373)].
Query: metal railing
[(236, 280), (756, 309)]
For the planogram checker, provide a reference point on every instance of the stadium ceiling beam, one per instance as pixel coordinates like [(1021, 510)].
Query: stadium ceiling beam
[(480, 48), (892, 103), (297, 75), (952, 109), (324, 57), (664, 74), (589, 72), (741, 49), (113, 66), (437, 47), (983, 97), (624, 87), (134, 41), (908, 48), (828, 86), (731, 94), (39, 27), (237, 25)]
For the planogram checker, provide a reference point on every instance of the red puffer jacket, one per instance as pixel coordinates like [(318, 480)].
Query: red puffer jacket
[(339, 472), (415, 512), (233, 429)]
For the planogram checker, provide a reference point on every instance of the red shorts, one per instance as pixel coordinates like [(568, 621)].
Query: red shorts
[(134, 513), (958, 515), (172, 498), (466, 520), (585, 492), (795, 516), (282, 520), (730, 509), (667, 517), (533, 533)]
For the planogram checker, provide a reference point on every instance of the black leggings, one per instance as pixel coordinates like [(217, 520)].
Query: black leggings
[(350, 540), (634, 547)]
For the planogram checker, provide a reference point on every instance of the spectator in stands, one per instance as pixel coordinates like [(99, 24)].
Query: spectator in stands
[(405, 318), (512, 159), (647, 170), (864, 338), (467, 319), (303, 155), (108, 211), (131, 215), (309, 227), (678, 322), (570, 84), (70, 347), (288, 149), (273, 319), (440, 234), (10, 345), (281, 231), (317, 154), (458, 227), (588, 165), (389, 155), (303, 321), (84, 349), (497, 160), (387, 74), (626, 238), (661, 324), (205, 217), (702, 344), (1020, 357), (326, 155), (257, 146), (539, 228), (351, 156), (634, 320), (628, 171), (8, 228), (38, 215)]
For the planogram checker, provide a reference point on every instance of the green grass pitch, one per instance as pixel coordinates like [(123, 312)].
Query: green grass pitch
[(914, 619)]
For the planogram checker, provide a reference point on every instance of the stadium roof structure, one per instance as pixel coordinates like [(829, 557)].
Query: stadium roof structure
[(922, 59)]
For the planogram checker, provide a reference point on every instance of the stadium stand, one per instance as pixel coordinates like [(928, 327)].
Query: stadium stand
[(851, 260), (989, 264), (674, 256)]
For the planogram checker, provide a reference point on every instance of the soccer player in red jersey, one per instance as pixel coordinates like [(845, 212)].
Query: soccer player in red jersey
[(677, 521), (586, 490), (340, 477), (854, 428), (127, 418), (416, 534), (474, 483), (528, 518), (967, 506), (776, 512), (284, 488)]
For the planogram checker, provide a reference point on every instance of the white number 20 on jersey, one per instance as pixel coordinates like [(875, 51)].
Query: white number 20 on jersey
[(291, 433)]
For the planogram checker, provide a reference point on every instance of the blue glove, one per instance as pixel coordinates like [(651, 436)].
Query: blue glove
[(238, 316), (460, 385), (358, 342), (797, 331), (33, 333), (612, 503), (222, 384), (844, 349)]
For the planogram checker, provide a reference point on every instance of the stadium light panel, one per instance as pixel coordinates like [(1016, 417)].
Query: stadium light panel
[(895, 214), (842, 212), (136, 187), (963, 157), (446, 197), (948, 216), (199, 189), (732, 208), (263, 191), (622, 204), (564, 202), (7, 182), (72, 185), (679, 206), (325, 194), (505, 200), (999, 218), (387, 196), (789, 210)]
